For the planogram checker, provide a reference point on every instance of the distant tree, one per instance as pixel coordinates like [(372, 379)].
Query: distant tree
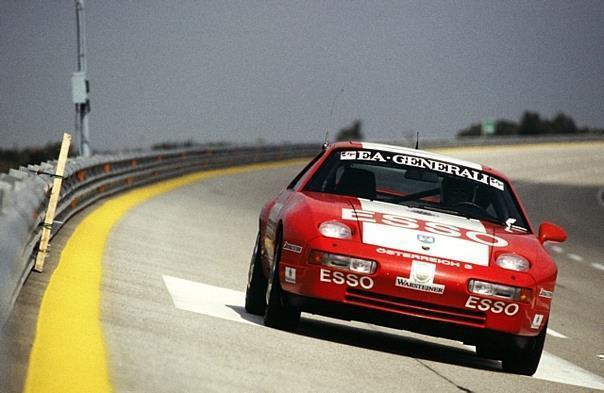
[(531, 124), (14, 158), (506, 127), (502, 127), (473, 130), (563, 124), (351, 133)]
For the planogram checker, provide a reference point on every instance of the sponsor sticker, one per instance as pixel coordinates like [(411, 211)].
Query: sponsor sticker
[(425, 163), (340, 278), (536, 323), (545, 293), (409, 223), (425, 239), (407, 283), (290, 275), (496, 307), (292, 247), (348, 155), (419, 257), (421, 278)]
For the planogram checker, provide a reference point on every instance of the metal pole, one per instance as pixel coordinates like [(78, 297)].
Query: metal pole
[(82, 109)]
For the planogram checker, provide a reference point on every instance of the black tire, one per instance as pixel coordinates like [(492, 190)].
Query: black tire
[(277, 315), (255, 293), (525, 362), (486, 351)]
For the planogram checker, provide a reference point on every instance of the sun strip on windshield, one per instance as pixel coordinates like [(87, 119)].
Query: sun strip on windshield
[(424, 163)]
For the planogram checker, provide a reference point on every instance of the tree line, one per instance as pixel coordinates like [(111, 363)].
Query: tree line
[(14, 158), (531, 123)]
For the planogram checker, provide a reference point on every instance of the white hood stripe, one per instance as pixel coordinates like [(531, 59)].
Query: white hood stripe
[(407, 239)]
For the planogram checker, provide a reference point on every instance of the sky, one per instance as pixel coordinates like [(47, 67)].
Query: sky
[(287, 71)]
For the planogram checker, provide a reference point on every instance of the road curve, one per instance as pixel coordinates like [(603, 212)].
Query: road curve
[(200, 236)]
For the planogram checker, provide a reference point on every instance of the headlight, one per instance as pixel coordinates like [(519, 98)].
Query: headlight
[(335, 229), (513, 262), (498, 290), (342, 262)]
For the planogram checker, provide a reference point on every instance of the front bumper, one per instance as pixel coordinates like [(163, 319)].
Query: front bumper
[(445, 307), (468, 335)]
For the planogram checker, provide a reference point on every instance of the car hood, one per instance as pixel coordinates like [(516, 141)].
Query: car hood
[(421, 231), (427, 232)]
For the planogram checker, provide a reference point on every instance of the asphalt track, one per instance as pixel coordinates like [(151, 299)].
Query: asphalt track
[(174, 263)]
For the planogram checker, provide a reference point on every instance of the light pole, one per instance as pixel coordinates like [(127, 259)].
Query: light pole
[(80, 84)]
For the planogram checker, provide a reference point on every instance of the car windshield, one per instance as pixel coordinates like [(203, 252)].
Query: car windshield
[(418, 182)]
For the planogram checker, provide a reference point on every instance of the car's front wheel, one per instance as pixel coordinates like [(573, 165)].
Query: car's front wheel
[(255, 293), (277, 314), (526, 361)]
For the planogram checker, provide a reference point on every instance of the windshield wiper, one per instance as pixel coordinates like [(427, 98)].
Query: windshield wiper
[(434, 208), (493, 220), (460, 214)]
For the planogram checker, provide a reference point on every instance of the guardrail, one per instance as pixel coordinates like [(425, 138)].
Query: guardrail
[(24, 192)]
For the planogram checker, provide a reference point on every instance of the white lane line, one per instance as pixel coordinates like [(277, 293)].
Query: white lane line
[(575, 257), (598, 266), (229, 304), (554, 333), (209, 300), (555, 369), (557, 249)]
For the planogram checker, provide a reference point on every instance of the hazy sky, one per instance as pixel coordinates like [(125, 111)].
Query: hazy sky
[(238, 71)]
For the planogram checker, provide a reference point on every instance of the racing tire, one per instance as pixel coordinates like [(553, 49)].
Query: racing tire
[(525, 362), (277, 315), (255, 293)]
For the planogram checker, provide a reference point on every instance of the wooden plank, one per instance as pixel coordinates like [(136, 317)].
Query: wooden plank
[(52, 204)]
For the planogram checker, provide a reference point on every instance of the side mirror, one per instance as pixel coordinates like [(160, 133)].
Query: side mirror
[(551, 232)]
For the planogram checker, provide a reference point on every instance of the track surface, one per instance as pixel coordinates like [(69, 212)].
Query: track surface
[(204, 233)]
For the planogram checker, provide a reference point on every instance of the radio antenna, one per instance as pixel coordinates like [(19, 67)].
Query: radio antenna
[(326, 141), (417, 141), (333, 104)]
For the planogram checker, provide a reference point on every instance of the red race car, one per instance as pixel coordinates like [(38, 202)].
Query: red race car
[(407, 239)]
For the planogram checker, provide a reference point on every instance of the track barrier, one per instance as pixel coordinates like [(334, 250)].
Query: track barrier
[(25, 192)]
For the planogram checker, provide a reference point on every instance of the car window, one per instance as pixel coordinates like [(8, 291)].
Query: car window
[(477, 195), (296, 181)]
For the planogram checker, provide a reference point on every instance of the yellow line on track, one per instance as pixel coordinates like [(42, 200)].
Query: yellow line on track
[(68, 353)]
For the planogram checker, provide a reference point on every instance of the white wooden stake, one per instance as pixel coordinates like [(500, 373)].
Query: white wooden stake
[(52, 204)]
